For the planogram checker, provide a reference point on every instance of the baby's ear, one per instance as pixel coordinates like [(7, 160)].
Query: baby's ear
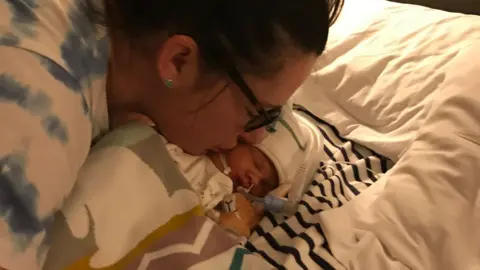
[(281, 191)]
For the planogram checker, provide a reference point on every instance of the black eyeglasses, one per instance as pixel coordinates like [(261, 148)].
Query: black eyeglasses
[(265, 117)]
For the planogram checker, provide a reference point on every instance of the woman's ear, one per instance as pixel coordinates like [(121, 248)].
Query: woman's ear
[(178, 62)]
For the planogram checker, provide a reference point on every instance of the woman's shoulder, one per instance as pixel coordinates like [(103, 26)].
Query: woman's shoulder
[(62, 34), (129, 134), (65, 46)]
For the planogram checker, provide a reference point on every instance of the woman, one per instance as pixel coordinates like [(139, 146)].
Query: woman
[(205, 72)]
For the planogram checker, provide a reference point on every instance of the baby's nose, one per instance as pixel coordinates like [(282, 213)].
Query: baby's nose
[(254, 178), (254, 137)]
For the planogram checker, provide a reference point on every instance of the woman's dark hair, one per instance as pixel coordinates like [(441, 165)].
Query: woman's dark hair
[(250, 34)]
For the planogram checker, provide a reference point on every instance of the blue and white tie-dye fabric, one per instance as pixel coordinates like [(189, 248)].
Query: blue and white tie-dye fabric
[(53, 61)]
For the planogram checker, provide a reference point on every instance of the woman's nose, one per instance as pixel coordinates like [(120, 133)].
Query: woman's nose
[(229, 143), (254, 137)]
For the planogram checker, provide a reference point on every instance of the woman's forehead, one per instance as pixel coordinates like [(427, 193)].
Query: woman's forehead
[(277, 89)]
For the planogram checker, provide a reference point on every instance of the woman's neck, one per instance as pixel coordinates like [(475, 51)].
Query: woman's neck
[(120, 109)]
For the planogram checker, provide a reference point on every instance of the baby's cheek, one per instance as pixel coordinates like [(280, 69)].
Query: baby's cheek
[(258, 191), (234, 163)]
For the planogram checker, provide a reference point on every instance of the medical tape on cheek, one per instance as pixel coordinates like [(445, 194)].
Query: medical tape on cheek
[(250, 188), (226, 169)]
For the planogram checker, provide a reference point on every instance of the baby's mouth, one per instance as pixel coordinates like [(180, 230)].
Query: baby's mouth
[(244, 182), (238, 182)]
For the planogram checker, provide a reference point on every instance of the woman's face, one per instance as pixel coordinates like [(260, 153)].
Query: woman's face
[(202, 112), (220, 124)]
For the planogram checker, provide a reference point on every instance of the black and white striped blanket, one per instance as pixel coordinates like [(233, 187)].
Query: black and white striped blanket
[(297, 243)]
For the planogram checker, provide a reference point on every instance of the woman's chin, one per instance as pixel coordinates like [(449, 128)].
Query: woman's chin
[(197, 152)]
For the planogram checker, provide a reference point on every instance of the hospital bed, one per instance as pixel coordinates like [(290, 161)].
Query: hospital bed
[(398, 84)]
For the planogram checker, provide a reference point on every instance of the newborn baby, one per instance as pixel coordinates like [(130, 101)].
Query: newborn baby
[(249, 167), (290, 153), (276, 161), (216, 176)]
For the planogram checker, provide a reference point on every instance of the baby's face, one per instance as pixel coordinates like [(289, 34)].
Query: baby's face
[(250, 166)]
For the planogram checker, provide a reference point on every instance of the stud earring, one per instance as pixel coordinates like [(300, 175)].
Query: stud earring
[(271, 128), (169, 83)]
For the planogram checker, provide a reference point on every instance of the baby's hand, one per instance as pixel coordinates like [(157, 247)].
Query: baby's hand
[(248, 213), (243, 219), (232, 222)]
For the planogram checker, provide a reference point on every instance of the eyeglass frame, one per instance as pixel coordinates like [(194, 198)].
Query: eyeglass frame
[(270, 115)]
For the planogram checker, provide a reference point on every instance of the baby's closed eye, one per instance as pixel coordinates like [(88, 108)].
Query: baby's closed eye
[(260, 167)]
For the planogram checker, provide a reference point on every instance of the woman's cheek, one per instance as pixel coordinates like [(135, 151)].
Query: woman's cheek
[(255, 136)]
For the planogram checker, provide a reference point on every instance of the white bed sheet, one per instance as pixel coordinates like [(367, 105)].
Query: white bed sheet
[(385, 63), (405, 81), (425, 212)]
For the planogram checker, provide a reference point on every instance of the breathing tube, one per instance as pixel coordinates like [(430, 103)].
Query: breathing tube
[(302, 179), (280, 205), (272, 203)]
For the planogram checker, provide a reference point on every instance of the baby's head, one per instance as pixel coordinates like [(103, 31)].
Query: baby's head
[(275, 161), (250, 166)]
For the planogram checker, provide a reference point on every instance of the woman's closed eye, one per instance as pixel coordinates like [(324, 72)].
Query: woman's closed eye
[(251, 113)]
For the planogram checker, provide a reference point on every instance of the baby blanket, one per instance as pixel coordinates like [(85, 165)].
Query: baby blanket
[(132, 209)]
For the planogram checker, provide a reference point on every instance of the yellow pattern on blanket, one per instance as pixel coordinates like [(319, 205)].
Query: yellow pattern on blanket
[(128, 195), (173, 224), (133, 209)]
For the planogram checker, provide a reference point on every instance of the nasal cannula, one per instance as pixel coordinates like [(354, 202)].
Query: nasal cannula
[(271, 203), (280, 205)]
